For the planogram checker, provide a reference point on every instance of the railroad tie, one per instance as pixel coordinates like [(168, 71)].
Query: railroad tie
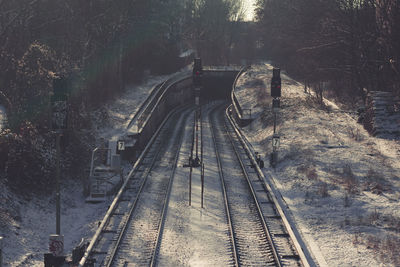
[(281, 235), (107, 231)]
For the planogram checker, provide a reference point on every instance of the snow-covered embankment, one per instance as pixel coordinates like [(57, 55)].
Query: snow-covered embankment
[(341, 185)]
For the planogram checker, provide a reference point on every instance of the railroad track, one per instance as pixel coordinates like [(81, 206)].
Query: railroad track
[(131, 234), (258, 235)]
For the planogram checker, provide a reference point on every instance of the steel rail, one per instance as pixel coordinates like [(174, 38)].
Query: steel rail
[(132, 208), (226, 202), (301, 249), (113, 205), (253, 194), (136, 165), (166, 202)]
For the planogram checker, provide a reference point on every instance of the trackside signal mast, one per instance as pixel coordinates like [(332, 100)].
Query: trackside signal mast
[(276, 93), (59, 101), (194, 160), (197, 83)]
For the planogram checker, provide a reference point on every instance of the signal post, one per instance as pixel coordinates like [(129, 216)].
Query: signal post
[(197, 83), (197, 162), (276, 93), (56, 257)]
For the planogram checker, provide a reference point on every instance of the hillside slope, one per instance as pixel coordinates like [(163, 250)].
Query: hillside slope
[(27, 221), (341, 185)]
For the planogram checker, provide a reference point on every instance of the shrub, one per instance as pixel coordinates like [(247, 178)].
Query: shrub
[(311, 174), (355, 134), (323, 190), (28, 169), (350, 180), (375, 182)]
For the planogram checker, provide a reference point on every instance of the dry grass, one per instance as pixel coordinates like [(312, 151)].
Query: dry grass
[(350, 180), (392, 223), (373, 218), (321, 187), (314, 103), (347, 201), (357, 238), (263, 98), (308, 197), (298, 153), (267, 118), (309, 171), (311, 174), (375, 182), (355, 134), (323, 190), (386, 248)]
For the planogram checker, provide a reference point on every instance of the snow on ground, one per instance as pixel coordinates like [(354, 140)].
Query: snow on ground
[(341, 185), (118, 113), (195, 236), (3, 116), (26, 232), (26, 238)]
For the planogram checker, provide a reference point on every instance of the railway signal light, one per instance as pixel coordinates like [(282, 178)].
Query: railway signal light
[(276, 83), (197, 72), (59, 103)]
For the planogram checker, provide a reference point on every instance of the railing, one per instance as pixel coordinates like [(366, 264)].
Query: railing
[(145, 116), (145, 104), (237, 109), (107, 158), (143, 113)]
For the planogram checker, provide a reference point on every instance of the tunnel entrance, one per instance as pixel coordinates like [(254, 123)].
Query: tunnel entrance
[(217, 84)]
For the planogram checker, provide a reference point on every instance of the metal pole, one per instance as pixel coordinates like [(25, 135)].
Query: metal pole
[(190, 187), (274, 122), (191, 162), (197, 135), (58, 208), (201, 134), (1, 251), (202, 184)]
